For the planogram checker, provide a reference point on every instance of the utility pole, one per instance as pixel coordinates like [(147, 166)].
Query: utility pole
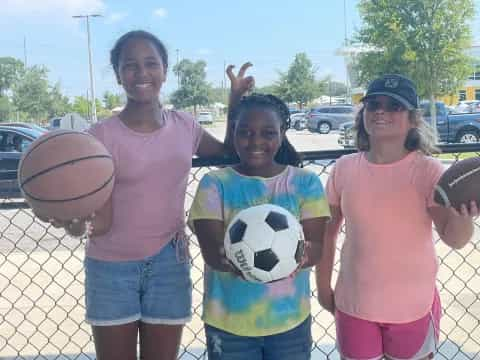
[(178, 72), (347, 82), (90, 65), (25, 52)]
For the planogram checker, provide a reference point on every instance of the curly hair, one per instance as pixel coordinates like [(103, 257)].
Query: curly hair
[(287, 154)]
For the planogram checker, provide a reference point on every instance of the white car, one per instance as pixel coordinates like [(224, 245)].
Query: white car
[(205, 117), (298, 121), (467, 106)]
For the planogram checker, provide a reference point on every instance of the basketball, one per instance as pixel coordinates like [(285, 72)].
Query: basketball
[(66, 174), (459, 184)]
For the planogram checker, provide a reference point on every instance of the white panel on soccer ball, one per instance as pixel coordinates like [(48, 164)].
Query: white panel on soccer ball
[(241, 256), (258, 235), (257, 275), (285, 243), (253, 214), (284, 268)]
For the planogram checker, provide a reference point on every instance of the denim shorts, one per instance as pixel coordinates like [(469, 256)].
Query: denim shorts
[(294, 344), (154, 290)]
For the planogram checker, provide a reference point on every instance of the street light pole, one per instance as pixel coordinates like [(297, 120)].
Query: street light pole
[(178, 72), (347, 78), (90, 64)]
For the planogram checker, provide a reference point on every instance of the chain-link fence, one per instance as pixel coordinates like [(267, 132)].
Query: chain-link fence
[(42, 292)]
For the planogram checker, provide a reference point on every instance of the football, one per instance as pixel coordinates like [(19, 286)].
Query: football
[(459, 184), (265, 243)]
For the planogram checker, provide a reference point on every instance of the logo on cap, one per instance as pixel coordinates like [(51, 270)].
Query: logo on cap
[(391, 83)]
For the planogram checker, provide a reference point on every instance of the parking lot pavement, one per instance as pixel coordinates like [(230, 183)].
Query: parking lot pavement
[(303, 140)]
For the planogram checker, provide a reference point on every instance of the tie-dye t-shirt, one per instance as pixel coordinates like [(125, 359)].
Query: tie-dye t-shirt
[(231, 303)]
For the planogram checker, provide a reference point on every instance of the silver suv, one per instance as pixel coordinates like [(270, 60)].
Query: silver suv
[(323, 119)]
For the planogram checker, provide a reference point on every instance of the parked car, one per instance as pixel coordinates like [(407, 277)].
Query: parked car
[(323, 119), (467, 106), (24, 125), (451, 127), (13, 142), (205, 117), (346, 138), (298, 120)]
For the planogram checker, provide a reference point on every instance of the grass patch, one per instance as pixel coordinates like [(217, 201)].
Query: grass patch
[(457, 156)]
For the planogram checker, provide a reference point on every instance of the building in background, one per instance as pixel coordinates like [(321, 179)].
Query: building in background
[(471, 89)]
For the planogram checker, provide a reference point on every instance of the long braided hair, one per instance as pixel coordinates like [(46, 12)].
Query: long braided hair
[(286, 155)]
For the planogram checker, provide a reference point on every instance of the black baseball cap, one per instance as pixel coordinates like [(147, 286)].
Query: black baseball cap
[(397, 87)]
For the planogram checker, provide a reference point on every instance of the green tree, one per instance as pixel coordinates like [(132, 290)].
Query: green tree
[(219, 95), (111, 100), (10, 71), (30, 94), (81, 106), (59, 104), (423, 39), (331, 87), (194, 89), (298, 84), (6, 109)]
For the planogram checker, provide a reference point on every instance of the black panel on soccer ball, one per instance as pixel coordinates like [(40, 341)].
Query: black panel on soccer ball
[(237, 231), (277, 221), (265, 260), (300, 251)]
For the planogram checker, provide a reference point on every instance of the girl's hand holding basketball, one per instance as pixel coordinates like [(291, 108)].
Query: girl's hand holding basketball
[(470, 210), (74, 227), (239, 84)]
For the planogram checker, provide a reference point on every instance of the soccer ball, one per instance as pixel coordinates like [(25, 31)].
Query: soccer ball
[(265, 243)]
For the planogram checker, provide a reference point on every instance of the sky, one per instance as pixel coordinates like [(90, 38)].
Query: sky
[(267, 33)]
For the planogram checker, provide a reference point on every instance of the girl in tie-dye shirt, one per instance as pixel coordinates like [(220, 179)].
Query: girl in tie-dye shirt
[(245, 319)]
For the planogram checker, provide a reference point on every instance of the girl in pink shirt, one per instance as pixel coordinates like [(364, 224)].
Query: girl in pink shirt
[(137, 280), (385, 302)]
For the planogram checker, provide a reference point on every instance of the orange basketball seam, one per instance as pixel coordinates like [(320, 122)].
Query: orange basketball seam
[(74, 198), (27, 180)]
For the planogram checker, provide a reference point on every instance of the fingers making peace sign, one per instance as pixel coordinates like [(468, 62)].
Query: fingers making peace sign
[(240, 84)]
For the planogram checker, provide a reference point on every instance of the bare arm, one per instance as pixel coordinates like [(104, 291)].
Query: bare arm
[(314, 231), (239, 85), (210, 234), (455, 228), (324, 269)]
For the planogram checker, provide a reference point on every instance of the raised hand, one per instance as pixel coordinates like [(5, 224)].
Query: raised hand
[(240, 84)]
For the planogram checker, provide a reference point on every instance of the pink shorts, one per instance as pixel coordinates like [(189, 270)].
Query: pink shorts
[(363, 339)]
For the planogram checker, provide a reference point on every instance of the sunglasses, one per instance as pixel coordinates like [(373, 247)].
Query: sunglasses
[(391, 105)]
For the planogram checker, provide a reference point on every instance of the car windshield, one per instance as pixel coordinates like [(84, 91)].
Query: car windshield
[(34, 133)]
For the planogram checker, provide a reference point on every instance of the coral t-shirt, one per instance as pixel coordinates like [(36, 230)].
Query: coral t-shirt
[(151, 174), (388, 261)]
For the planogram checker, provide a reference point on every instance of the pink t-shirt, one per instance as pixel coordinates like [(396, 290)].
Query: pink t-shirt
[(151, 174), (388, 261)]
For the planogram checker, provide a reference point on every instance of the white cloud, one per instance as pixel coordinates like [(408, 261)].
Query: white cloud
[(160, 12), (57, 8), (115, 17)]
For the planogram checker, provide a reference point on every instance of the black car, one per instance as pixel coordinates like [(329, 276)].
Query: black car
[(13, 142)]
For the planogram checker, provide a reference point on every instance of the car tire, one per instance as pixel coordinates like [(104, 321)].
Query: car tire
[(297, 126), (324, 127), (468, 137)]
